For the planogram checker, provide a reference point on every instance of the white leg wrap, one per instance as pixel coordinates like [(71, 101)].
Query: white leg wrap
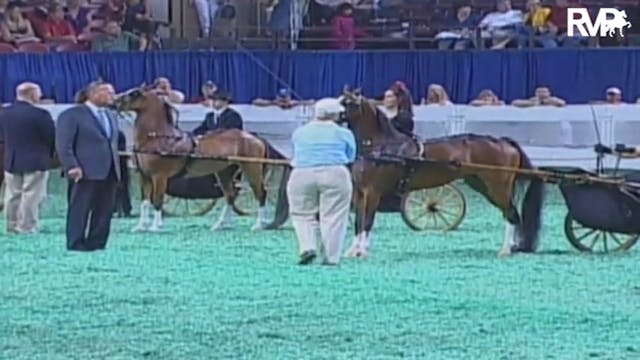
[(224, 222), (144, 220)]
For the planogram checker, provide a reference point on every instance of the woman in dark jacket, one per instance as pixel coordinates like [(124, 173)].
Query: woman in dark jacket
[(399, 108)]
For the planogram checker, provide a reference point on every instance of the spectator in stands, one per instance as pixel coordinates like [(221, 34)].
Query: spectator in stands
[(321, 11), (15, 28), (486, 98), (502, 25), (28, 136), (114, 39), (78, 15), (224, 24), (221, 117), (4, 4), (206, 10), (56, 28), (459, 28), (436, 95), (344, 28), (537, 26), (558, 25), (542, 97), (613, 97), (163, 89), (206, 92), (282, 100), (113, 10), (138, 18)]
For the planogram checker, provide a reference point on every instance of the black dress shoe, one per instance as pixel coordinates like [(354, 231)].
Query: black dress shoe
[(307, 257)]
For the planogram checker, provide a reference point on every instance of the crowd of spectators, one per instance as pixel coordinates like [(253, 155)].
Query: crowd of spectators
[(128, 25), (76, 25), (453, 24)]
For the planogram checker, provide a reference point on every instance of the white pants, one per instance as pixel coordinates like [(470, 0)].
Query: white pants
[(23, 195), (326, 191), (206, 14)]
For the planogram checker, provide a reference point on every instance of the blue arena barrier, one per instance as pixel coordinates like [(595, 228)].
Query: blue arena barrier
[(578, 75)]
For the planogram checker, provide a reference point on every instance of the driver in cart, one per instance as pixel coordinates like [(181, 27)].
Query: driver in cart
[(222, 117)]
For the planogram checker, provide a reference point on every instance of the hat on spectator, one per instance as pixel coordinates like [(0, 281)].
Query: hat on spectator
[(614, 90), (327, 107), (221, 95)]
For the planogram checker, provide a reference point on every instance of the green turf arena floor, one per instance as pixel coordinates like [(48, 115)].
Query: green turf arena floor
[(192, 294)]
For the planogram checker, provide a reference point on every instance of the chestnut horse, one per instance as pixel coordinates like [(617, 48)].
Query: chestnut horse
[(384, 166), (162, 151)]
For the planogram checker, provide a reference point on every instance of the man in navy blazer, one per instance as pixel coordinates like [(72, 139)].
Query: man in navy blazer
[(28, 133), (87, 145), (222, 117)]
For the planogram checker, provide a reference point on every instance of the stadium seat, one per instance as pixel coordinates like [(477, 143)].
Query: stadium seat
[(70, 47), (33, 48), (7, 48)]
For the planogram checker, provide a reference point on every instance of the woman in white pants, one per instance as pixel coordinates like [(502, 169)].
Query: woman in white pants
[(320, 182)]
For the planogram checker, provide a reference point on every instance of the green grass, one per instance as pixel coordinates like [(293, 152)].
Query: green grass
[(192, 294)]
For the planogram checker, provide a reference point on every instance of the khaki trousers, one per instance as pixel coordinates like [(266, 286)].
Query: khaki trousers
[(23, 195), (326, 190)]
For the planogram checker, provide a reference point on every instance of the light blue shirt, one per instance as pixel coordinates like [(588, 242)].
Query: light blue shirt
[(322, 143), (102, 116)]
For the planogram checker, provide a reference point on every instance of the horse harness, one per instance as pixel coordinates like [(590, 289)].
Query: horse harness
[(400, 157), (179, 144)]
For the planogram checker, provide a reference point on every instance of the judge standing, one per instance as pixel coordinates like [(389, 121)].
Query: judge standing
[(87, 144), (321, 182)]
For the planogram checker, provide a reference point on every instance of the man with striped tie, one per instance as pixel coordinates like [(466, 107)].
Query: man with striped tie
[(87, 145)]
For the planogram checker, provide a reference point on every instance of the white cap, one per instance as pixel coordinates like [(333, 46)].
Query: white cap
[(614, 90), (327, 107)]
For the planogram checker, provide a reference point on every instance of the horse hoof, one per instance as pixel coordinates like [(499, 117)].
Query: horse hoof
[(139, 228), (504, 253)]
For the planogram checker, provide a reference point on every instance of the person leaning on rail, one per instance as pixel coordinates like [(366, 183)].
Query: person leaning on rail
[(320, 182)]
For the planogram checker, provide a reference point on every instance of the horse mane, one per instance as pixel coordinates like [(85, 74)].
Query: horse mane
[(169, 112), (382, 120)]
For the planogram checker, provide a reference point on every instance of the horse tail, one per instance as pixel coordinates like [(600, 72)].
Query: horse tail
[(532, 203)]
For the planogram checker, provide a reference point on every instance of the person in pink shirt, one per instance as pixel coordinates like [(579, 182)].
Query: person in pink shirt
[(344, 28)]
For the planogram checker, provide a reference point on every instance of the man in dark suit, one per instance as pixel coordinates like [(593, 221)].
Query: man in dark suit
[(87, 144), (222, 117), (28, 134)]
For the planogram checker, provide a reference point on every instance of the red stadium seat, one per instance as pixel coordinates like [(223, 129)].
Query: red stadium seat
[(7, 48), (34, 47), (70, 47)]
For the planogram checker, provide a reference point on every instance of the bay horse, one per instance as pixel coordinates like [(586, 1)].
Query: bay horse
[(384, 165), (162, 151)]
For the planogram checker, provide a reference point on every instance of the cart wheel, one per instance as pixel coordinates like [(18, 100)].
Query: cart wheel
[(592, 240), (442, 208), (246, 203), (174, 206)]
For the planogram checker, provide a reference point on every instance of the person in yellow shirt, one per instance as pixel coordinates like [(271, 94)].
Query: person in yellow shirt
[(537, 27)]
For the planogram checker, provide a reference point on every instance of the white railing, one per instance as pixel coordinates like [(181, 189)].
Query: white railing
[(573, 128)]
